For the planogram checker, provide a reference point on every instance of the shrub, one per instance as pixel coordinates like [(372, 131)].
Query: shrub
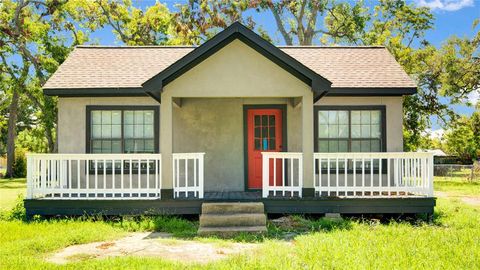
[(20, 164), (17, 212)]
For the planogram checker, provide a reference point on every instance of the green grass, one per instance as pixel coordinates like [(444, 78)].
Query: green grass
[(10, 189), (451, 241), (457, 186)]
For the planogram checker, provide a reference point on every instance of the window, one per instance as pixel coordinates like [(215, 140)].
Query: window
[(264, 132), (350, 129), (122, 130)]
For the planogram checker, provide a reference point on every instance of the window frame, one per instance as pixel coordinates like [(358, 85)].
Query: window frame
[(156, 132), (383, 128)]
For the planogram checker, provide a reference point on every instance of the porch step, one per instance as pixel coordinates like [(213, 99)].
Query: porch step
[(232, 208), (231, 218), (230, 231)]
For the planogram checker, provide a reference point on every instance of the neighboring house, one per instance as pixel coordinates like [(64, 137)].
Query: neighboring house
[(162, 129), (435, 152)]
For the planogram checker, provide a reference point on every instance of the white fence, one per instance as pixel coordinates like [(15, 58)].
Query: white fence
[(282, 173), (188, 176), (93, 176), (373, 174)]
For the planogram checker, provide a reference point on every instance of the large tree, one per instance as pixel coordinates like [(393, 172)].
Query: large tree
[(35, 36), (450, 71)]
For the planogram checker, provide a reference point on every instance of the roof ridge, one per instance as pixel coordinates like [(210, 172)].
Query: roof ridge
[(332, 46), (87, 46)]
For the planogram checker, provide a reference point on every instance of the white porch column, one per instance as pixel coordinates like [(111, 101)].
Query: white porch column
[(307, 145), (166, 145)]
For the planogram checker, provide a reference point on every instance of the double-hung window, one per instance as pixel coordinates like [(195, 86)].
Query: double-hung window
[(350, 129), (120, 129)]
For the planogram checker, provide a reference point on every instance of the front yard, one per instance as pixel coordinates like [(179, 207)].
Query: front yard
[(451, 241)]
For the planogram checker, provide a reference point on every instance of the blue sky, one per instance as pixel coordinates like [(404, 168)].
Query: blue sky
[(452, 17)]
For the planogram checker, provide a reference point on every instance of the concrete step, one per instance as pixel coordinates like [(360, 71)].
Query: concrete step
[(229, 231), (232, 208), (232, 220)]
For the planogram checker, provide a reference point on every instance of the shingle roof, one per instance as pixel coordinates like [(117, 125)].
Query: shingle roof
[(128, 67)]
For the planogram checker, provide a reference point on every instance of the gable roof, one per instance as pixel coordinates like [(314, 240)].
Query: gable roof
[(319, 84), (129, 71)]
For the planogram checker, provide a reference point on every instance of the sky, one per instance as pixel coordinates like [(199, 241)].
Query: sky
[(452, 17)]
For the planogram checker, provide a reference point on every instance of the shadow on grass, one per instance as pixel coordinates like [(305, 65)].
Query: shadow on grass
[(14, 183), (278, 228)]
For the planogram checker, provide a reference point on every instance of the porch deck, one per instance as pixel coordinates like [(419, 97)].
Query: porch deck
[(116, 184), (192, 206)]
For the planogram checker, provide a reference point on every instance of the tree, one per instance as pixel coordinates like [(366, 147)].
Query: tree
[(132, 25), (461, 139), (33, 41), (450, 71), (199, 20)]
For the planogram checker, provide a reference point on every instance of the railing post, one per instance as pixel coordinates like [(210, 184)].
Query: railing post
[(200, 176), (29, 177), (300, 175), (265, 176), (430, 175)]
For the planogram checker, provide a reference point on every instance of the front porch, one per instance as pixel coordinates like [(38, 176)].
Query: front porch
[(111, 184)]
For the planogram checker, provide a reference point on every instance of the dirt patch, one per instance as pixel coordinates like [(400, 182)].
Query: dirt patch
[(475, 201), (470, 200), (160, 245)]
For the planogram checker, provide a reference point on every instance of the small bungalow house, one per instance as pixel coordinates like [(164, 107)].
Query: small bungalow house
[(163, 129)]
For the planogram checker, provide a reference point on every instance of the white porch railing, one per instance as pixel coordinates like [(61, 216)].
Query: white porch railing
[(93, 176), (373, 174), (188, 175), (282, 172)]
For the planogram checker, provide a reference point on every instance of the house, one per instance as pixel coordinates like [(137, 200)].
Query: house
[(163, 129)]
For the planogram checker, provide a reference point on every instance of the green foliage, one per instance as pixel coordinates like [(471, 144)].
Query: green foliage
[(32, 140), (177, 226), (17, 212), (131, 25), (20, 164), (462, 139)]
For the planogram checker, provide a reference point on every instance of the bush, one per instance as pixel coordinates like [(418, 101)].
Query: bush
[(18, 212), (20, 164)]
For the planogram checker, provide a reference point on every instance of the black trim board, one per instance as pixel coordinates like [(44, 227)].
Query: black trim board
[(282, 107), (370, 91), (97, 92), (156, 124), (236, 30), (53, 207)]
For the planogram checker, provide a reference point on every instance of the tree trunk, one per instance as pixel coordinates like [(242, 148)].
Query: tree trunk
[(12, 132)]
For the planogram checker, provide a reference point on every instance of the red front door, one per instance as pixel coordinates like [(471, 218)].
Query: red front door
[(264, 134)]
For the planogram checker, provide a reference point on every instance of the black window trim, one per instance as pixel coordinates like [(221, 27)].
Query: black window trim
[(156, 117), (383, 117), (383, 131)]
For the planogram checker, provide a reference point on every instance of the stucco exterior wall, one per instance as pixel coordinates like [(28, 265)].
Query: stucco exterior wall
[(238, 75), (72, 118), (394, 117), (210, 118), (215, 126)]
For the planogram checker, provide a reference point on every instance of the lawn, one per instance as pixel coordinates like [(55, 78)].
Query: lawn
[(451, 241), (10, 189)]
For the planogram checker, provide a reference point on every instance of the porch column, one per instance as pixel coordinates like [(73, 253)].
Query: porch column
[(307, 145), (166, 146)]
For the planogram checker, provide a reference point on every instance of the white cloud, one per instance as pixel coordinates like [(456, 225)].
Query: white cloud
[(474, 97), (434, 134), (446, 5)]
